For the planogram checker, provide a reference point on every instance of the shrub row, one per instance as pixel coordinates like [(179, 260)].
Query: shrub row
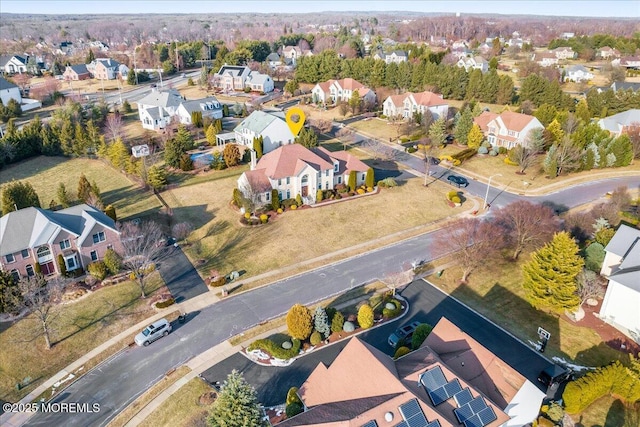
[(465, 154), (165, 304), (275, 350), (450, 159), (611, 379), (219, 281)]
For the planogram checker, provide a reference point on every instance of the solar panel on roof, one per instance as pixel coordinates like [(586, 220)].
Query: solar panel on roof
[(487, 415), (473, 422), (477, 404), (434, 423), (463, 397), (438, 396), (452, 387), (409, 409), (463, 413), (433, 378), (371, 423), (401, 424)]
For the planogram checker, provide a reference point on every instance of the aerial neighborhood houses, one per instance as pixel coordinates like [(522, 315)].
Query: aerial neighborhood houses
[(34, 239), (473, 63), (107, 69), (577, 73), (607, 52), (334, 91), (159, 108), (231, 78), (407, 104), (274, 131), (294, 170), (507, 129), (627, 62), (294, 53), (9, 91), (621, 266), (450, 380), (396, 56), (621, 123), (545, 59), (76, 72)]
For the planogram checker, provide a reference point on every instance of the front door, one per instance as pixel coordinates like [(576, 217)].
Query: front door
[(48, 268), (305, 191)]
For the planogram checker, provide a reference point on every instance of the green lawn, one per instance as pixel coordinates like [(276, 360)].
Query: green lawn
[(80, 327), (226, 245), (46, 173), (495, 290), (183, 409), (608, 412)]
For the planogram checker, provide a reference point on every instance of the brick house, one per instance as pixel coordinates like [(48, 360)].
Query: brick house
[(81, 234)]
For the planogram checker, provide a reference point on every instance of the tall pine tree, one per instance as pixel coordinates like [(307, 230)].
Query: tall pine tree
[(237, 404), (550, 276)]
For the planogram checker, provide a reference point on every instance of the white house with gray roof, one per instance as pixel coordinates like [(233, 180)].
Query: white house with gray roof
[(577, 73), (621, 265), (621, 122), (209, 107), (232, 78), (273, 129), (80, 234), (157, 108), (9, 91)]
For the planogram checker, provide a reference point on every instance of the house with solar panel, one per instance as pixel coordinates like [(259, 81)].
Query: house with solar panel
[(450, 381)]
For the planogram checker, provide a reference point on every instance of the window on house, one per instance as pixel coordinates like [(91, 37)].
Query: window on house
[(335, 167), (326, 173), (279, 182), (65, 244), (268, 196), (16, 276), (288, 194), (10, 258), (363, 177), (30, 271), (94, 256), (98, 237), (339, 180), (288, 180), (71, 262), (25, 254)]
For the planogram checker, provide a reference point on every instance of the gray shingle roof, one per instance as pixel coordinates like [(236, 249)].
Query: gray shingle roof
[(4, 84), (80, 68), (170, 98), (616, 122), (197, 104), (626, 244), (256, 122), (31, 227)]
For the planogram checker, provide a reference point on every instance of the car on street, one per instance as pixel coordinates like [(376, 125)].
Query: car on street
[(402, 334), (158, 329), (432, 160), (457, 180), (555, 374)]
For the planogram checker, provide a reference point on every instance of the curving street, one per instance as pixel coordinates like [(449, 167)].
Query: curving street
[(117, 382)]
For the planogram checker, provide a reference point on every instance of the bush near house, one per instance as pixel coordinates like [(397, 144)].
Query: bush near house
[(390, 313), (275, 350), (97, 269), (299, 322), (365, 316), (421, 333), (401, 351), (465, 154), (113, 261)]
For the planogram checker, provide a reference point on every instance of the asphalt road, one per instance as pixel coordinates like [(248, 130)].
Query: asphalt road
[(427, 304), (127, 375)]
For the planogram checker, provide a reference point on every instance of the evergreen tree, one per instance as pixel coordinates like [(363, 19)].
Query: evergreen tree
[(621, 148), (63, 196), (505, 90), (475, 137), (370, 178), (582, 111), (464, 125), (307, 138), (352, 180), (211, 134), (354, 102), (17, 195), (546, 113), (321, 322), (177, 146), (555, 130), (9, 292), (90, 57), (257, 146), (84, 188), (299, 322), (231, 155), (550, 276), (156, 177), (438, 132), (237, 404), (118, 154)]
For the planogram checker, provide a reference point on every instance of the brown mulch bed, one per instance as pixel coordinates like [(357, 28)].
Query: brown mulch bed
[(610, 335)]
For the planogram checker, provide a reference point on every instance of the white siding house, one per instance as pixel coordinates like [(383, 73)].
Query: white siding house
[(273, 129)]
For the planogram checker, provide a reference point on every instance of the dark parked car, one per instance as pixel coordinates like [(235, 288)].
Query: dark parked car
[(458, 181), (432, 160), (402, 334), (555, 374)]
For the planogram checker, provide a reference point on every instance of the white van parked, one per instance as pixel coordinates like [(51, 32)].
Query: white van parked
[(157, 329)]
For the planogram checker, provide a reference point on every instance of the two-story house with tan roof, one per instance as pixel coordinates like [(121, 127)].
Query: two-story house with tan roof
[(407, 104), (30, 236), (295, 170), (333, 91), (450, 381), (507, 129)]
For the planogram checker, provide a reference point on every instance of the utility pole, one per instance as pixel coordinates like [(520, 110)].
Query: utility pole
[(135, 68), (177, 59)]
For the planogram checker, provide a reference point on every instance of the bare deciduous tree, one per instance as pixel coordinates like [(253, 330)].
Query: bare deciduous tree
[(346, 136), (472, 241), (181, 230), (633, 132), (526, 225), (141, 249), (523, 156), (589, 286), (40, 297), (113, 126), (398, 279), (323, 126), (378, 150)]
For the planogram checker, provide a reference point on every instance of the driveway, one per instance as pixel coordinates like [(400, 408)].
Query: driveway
[(180, 275), (426, 304)]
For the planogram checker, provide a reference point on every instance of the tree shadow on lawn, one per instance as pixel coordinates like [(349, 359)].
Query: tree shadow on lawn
[(126, 195), (236, 243), (197, 215)]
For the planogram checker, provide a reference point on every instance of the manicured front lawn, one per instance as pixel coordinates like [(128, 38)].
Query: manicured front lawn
[(46, 173), (183, 409), (80, 327), (495, 290), (226, 245), (608, 412)]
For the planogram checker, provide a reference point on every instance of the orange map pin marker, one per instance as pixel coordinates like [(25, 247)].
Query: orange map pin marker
[(295, 126)]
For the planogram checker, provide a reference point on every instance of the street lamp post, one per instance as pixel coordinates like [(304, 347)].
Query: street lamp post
[(486, 195)]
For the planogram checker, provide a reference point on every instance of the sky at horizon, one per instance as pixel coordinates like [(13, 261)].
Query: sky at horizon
[(577, 8)]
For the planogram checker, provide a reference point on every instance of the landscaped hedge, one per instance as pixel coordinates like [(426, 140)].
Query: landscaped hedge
[(220, 281), (401, 351), (611, 379), (165, 304), (97, 269), (275, 350), (386, 313), (465, 154)]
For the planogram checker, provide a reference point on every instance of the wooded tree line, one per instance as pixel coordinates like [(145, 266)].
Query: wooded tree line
[(586, 46)]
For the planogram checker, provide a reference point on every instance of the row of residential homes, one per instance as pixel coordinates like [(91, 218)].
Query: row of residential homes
[(100, 69), (9, 91)]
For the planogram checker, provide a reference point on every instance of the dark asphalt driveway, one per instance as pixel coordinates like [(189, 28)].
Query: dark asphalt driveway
[(427, 304), (180, 275)]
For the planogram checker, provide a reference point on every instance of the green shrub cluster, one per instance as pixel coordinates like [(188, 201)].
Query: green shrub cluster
[(293, 409), (365, 316), (388, 314), (113, 261), (287, 203), (97, 269), (165, 304), (275, 350), (401, 351), (292, 396), (421, 333), (299, 322), (337, 322), (316, 338), (611, 379), (412, 150), (465, 154), (456, 200), (387, 182)]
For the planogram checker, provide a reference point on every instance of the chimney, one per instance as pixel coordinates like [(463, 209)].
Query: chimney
[(253, 159)]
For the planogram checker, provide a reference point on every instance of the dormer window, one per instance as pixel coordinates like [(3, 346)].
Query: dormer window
[(336, 165)]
